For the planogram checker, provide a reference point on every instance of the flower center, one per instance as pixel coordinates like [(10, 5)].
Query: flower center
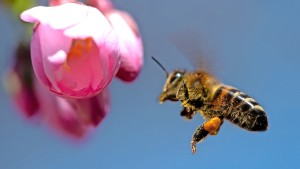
[(78, 48)]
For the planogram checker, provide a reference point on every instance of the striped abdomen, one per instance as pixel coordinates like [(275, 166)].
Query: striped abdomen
[(241, 109)]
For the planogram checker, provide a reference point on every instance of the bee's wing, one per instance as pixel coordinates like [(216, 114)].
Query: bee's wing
[(191, 45)]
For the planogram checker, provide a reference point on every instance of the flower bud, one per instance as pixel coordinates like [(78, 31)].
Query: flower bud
[(74, 51)]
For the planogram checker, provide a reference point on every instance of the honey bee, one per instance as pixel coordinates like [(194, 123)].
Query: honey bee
[(201, 92)]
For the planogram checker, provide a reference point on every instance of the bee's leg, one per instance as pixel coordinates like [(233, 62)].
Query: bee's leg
[(212, 126), (183, 93), (188, 91), (199, 135), (187, 114)]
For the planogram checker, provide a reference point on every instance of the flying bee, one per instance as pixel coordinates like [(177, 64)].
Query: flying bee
[(201, 92)]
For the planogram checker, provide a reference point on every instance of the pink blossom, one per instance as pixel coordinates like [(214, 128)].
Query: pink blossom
[(72, 117), (130, 41), (19, 83), (74, 50), (131, 47)]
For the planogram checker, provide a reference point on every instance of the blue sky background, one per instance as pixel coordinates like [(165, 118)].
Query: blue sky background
[(252, 45)]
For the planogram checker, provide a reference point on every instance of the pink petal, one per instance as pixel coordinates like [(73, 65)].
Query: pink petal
[(19, 82), (34, 14), (94, 108), (23, 96), (131, 47), (58, 17), (37, 59), (59, 114), (105, 6)]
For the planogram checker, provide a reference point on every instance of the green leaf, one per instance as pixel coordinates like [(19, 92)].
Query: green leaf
[(18, 6)]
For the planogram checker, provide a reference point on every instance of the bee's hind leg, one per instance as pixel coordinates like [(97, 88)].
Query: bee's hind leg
[(199, 135), (212, 126)]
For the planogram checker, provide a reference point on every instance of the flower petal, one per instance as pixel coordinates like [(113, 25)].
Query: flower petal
[(131, 47), (58, 17), (19, 82)]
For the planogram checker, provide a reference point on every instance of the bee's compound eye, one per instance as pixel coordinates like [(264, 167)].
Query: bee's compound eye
[(178, 74)]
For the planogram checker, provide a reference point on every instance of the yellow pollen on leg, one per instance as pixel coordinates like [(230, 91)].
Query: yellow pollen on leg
[(212, 125)]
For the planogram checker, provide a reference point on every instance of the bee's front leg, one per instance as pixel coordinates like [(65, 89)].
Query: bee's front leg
[(183, 93), (188, 114), (212, 126)]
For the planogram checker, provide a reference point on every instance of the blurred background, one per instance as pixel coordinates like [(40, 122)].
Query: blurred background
[(252, 45)]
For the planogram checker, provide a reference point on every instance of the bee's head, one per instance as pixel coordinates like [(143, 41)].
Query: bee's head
[(173, 82)]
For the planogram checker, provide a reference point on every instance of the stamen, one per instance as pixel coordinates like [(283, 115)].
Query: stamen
[(78, 47)]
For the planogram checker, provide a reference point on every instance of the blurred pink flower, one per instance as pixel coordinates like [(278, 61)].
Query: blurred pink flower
[(72, 117), (18, 82), (131, 47), (74, 50), (130, 41)]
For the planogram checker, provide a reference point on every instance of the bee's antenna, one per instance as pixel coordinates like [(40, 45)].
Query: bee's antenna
[(159, 64)]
